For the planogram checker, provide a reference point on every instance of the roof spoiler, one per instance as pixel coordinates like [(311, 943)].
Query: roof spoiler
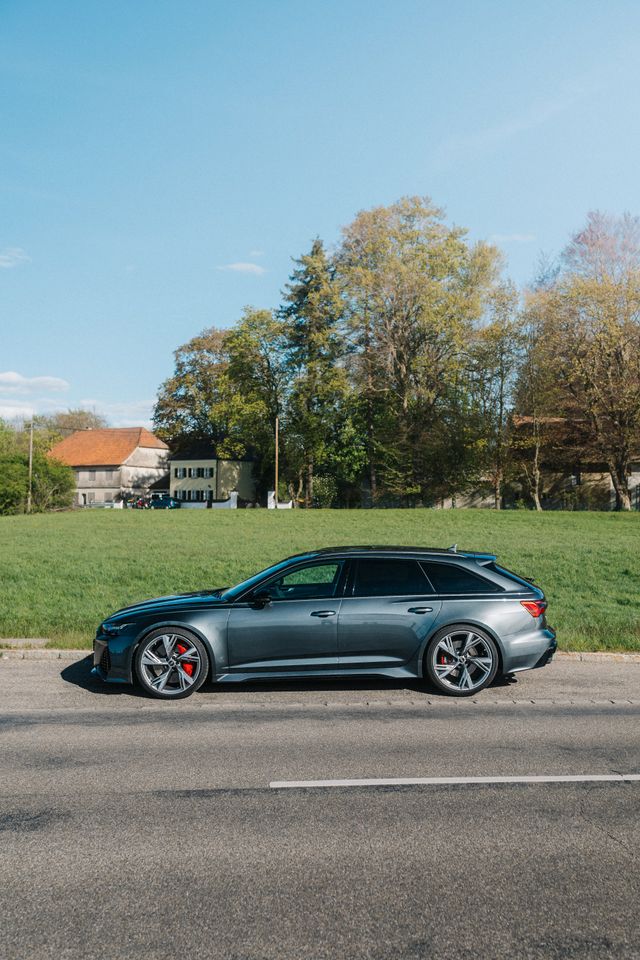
[(473, 554)]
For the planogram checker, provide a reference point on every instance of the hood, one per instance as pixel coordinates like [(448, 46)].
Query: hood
[(170, 602)]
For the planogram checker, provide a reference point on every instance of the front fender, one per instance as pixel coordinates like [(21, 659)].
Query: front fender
[(214, 640)]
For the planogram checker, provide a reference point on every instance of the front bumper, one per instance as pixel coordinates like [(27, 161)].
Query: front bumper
[(101, 657), (112, 658)]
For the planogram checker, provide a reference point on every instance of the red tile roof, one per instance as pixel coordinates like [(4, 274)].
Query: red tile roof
[(103, 448)]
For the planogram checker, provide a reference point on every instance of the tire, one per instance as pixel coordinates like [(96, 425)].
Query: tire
[(171, 664), (461, 660)]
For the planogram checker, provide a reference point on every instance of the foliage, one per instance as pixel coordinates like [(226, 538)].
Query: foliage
[(404, 367), (66, 422), (186, 401), (591, 319), (311, 315), (53, 483)]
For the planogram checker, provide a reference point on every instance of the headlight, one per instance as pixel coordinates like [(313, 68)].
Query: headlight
[(113, 629)]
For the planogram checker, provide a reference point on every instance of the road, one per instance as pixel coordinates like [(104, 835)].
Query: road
[(134, 828)]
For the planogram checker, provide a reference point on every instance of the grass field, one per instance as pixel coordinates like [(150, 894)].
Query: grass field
[(60, 574)]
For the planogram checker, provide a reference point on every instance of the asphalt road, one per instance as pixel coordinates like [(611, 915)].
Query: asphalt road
[(133, 828)]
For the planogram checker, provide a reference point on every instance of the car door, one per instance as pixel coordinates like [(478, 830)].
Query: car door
[(297, 630), (388, 609)]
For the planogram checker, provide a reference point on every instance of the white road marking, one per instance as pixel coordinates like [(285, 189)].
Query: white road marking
[(439, 781)]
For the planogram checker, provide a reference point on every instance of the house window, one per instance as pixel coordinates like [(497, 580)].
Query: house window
[(208, 472), (91, 474), (200, 472)]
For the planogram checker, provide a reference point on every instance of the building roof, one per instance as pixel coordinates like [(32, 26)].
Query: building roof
[(109, 447), (197, 449)]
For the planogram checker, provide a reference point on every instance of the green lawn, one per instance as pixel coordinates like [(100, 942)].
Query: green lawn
[(60, 574)]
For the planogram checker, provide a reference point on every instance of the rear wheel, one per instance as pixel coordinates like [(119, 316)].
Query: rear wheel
[(171, 664), (461, 661)]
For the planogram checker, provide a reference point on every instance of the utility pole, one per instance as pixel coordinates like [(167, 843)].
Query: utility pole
[(30, 467), (277, 451)]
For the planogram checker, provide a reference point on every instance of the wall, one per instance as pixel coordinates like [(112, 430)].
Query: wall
[(228, 475)]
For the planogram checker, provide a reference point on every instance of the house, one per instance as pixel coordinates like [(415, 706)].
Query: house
[(198, 474), (114, 463)]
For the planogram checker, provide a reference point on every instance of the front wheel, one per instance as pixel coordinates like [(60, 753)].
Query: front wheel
[(461, 661), (171, 664)]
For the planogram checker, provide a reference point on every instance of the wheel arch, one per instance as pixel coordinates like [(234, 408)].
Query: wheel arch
[(173, 624), (460, 623)]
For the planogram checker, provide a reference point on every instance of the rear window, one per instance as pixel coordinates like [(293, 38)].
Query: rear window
[(518, 581), (389, 578), (450, 578)]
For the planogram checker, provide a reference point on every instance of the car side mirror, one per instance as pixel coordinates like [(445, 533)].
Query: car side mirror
[(260, 599)]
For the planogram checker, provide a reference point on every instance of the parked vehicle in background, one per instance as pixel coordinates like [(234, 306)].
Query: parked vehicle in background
[(162, 501), (457, 619)]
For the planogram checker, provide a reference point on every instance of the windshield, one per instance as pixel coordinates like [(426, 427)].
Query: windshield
[(234, 592)]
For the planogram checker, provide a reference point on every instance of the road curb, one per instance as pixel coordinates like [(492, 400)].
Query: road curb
[(31, 653), (598, 656), (27, 653)]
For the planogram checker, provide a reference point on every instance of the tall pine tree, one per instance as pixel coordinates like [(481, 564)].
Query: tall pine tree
[(311, 314)]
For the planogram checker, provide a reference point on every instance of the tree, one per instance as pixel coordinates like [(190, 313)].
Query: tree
[(413, 288), (311, 315), (537, 400), (186, 400), (66, 422), (53, 483), (592, 319), (252, 390), (494, 356)]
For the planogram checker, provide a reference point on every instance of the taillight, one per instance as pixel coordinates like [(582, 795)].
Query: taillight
[(535, 607)]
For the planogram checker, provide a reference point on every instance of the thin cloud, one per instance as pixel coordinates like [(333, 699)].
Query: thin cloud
[(512, 238), (256, 253), (12, 382), (536, 115), (136, 413), (12, 257), (252, 268)]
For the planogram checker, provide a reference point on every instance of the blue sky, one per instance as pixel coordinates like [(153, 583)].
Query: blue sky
[(161, 162)]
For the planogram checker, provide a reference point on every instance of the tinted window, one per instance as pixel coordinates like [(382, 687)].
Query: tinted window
[(389, 578), (319, 581), (450, 578)]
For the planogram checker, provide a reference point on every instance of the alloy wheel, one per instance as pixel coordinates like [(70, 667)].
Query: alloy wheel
[(170, 664), (463, 661)]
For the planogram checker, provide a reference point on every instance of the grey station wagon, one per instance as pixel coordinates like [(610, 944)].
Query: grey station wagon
[(456, 619)]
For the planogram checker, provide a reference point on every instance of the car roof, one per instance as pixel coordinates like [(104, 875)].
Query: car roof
[(386, 550)]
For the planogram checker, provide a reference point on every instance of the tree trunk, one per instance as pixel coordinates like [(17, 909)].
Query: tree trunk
[(497, 492), (308, 500), (620, 485)]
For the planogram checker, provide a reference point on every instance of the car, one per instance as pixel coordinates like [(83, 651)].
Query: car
[(456, 619), (163, 502)]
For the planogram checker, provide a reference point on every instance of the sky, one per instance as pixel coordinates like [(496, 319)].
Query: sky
[(162, 162)]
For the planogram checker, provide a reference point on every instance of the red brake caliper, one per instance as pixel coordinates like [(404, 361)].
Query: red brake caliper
[(187, 667)]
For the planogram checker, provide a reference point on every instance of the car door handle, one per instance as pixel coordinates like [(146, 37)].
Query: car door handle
[(420, 609), (323, 613)]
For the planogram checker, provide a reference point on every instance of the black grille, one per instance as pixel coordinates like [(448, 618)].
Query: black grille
[(105, 660)]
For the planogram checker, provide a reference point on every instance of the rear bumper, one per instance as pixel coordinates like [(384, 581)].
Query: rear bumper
[(528, 651)]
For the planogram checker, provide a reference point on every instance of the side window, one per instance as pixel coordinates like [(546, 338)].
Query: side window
[(389, 578), (316, 582), (450, 578)]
